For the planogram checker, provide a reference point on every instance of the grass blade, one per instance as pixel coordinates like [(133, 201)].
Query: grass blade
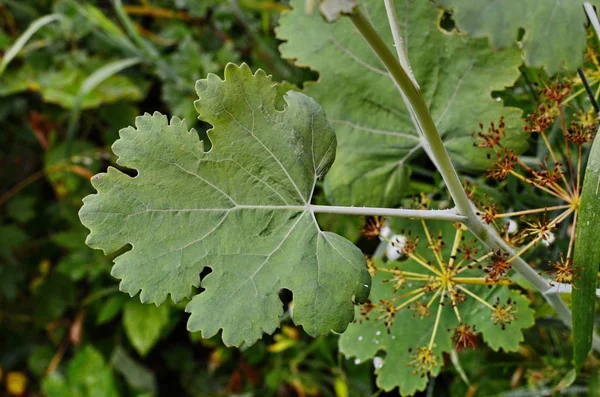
[(88, 85), (587, 258), (24, 38)]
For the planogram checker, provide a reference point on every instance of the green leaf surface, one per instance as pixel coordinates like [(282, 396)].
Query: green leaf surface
[(367, 338), (586, 258), (240, 209), (87, 375), (554, 29), (376, 136), (53, 297), (21, 208), (137, 375), (110, 308), (11, 271), (144, 324)]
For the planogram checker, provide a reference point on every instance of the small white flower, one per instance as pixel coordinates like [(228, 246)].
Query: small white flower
[(511, 226), (385, 231), (395, 247), (377, 362), (548, 238), (393, 253), (398, 241)]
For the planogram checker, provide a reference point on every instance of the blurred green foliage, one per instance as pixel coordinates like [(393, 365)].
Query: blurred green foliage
[(65, 329)]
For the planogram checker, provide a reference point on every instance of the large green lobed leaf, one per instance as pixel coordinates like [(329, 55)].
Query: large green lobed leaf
[(376, 136), (554, 29), (240, 209)]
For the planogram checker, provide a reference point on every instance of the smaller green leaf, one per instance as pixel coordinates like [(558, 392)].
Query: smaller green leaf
[(40, 358), (144, 324), (566, 381), (110, 309), (137, 376), (87, 375), (11, 273), (554, 29), (21, 208), (53, 297), (586, 258)]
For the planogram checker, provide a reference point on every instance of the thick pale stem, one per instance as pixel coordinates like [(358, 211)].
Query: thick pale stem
[(421, 111), (446, 215), (591, 13), (401, 49)]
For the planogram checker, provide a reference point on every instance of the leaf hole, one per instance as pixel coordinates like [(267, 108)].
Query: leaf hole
[(287, 297)]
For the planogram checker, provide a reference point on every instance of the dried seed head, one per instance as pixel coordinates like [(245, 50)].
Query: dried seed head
[(503, 315), (398, 279), (498, 268), (457, 297), (503, 166), (580, 133), (373, 227), (563, 270), (365, 309), (371, 268), (490, 138), (424, 361), (488, 212), (420, 310), (557, 93), (465, 336), (547, 175)]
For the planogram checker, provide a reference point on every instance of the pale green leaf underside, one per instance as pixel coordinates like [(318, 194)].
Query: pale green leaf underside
[(240, 209), (554, 29), (376, 138)]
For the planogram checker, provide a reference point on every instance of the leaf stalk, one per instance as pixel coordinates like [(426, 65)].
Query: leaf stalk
[(446, 215)]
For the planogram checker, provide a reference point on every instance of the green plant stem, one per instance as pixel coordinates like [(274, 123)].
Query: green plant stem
[(424, 122), (447, 215), (423, 117), (398, 42)]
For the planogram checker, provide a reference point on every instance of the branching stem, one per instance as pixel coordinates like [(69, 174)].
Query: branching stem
[(439, 156)]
